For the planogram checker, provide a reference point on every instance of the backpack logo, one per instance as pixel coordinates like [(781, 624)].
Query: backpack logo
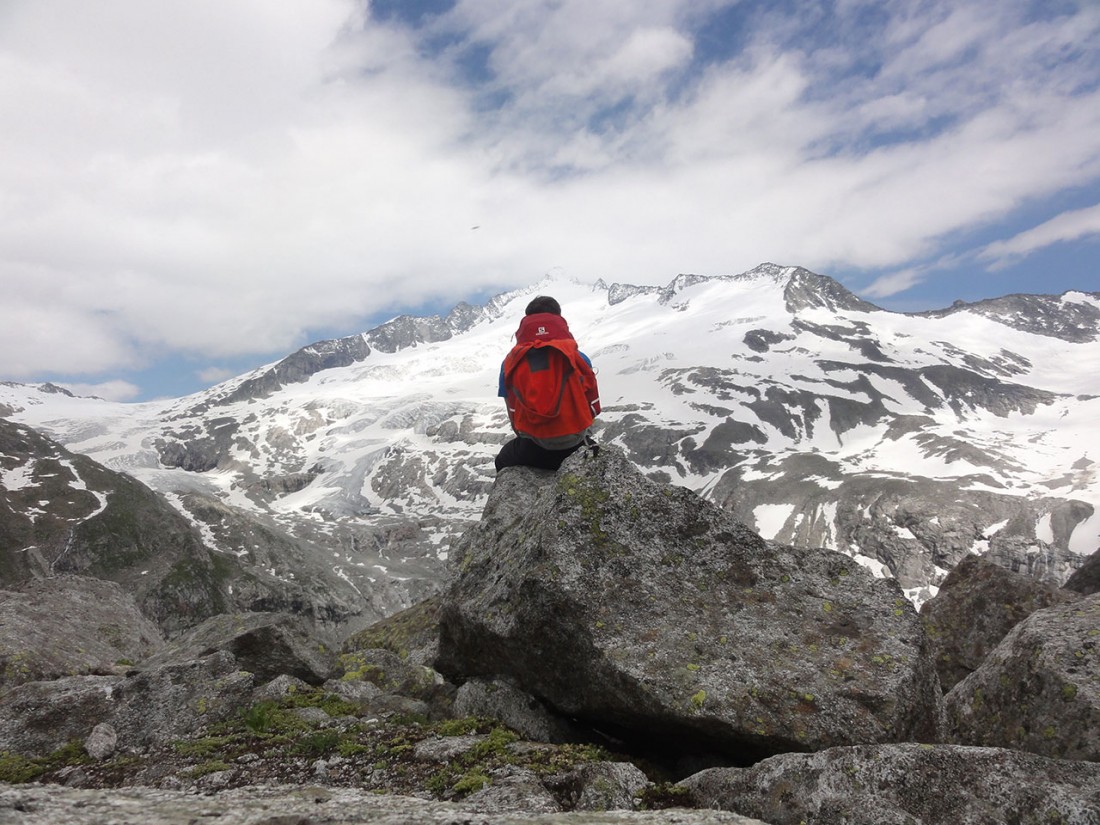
[(541, 331)]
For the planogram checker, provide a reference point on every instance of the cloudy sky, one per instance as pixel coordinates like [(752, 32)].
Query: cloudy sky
[(189, 189)]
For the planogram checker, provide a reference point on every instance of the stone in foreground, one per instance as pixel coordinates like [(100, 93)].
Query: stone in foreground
[(906, 784), (1039, 690), (644, 610)]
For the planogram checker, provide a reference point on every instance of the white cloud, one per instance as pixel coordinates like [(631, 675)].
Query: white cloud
[(216, 179), (1069, 226), (213, 375), (107, 390)]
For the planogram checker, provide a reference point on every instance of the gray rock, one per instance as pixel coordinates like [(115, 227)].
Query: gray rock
[(160, 705), (389, 704), (645, 610), (978, 603), (71, 626), (102, 741), (600, 786), (266, 644), (390, 674), (354, 690), (443, 748), (1086, 579), (520, 711), (279, 688), (150, 707), (1039, 690), (39, 717), (293, 805), (905, 784), (512, 790)]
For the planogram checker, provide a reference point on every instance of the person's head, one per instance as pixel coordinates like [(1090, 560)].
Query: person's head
[(543, 303)]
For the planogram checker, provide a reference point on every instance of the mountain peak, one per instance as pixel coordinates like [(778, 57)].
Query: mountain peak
[(1071, 316)]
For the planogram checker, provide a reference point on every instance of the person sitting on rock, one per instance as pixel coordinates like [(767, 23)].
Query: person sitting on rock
[(549, 388)]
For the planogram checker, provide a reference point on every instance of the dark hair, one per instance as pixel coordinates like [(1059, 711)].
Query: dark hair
[(543, 303)]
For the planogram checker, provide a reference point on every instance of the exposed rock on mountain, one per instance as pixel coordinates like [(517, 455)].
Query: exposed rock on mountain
[(68, 514), (615, 607), (978, 604), (275, 805), (905, 784), (69, 626), (1087, 578), (1039, 690), (265, 644), (61, 512), (635, 606), (338, 478), (156, 706), (1074, 319)]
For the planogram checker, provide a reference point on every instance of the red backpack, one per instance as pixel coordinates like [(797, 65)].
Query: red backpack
[(549, 387)]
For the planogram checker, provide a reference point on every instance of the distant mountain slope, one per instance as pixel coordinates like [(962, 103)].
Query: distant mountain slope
[(906, 441)]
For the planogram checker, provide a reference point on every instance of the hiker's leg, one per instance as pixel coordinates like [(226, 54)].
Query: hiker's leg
[(524, 451), (509, 455), (552, 459)]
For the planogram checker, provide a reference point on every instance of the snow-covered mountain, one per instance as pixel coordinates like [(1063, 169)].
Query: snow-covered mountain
[(904, 440)]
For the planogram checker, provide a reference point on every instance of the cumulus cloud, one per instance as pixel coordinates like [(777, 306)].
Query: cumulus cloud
[(107, 390), (217, 179), (1069, 226)]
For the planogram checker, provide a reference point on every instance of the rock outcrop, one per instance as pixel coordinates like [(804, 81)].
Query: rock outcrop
[(283, 805), (265, 644), (601, 633), (1086, 580), (904, 785), (978, 604), (147, 708), (1039, 690), (71, 626), (644, 610)]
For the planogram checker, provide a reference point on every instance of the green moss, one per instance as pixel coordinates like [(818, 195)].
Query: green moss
[(591, 498), (206, 768), (977, 700), (459, 727), (470, 782), (404, 631), (318, 743), (659, 796), (1069, 691), (200, 748), (15, 768), (698, 699)]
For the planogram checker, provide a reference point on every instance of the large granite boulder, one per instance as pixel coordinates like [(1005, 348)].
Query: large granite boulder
[(518, 710), (265, 644), (1039, 690), (648, 612), (978, 603), (286, 804), (1086, 579), (145, 708), (71, 626), (905, 784)]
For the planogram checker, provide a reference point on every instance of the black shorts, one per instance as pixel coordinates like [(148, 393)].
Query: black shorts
[(525, 452)]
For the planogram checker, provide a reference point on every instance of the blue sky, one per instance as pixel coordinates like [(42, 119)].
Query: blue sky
[(190, 190)]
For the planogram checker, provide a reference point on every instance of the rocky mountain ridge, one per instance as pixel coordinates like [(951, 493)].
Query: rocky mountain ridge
[(606, 645), (342, 475)]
